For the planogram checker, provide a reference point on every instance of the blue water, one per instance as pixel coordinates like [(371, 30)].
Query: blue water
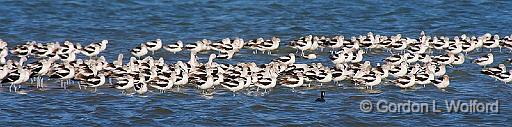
[(127, 23)]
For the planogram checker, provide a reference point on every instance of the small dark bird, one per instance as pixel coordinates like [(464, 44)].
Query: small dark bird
[(321, 99)]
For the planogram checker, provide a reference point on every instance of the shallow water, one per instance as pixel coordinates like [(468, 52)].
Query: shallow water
[(127, 23)]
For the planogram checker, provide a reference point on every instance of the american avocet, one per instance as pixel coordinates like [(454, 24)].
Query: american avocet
[(414, 69), (352, 44), (162, 82), (370, 80), (338, 73), (324, 75), (439, 70), (418, 48), (268, 78), (18, 76), (424, 77), (505, 77), (425, 58), (459, 59), (445, 59), (154, 45), (338, 57), (6, 69), (507, 42), (42, 51), (207, 83), (492, 71), (226, 54), (218, 46), (440, 43), (485, 60), (385, 42), (366, 41), (383, 70), (336, 42), (270, 45), (309, 56), (235, 85), (315, 43), (4, 51), (64, 72), (140, 85), (405, 81), (196, 47), (398, 71), (442, 82), (68, 57), (91, 50), (394, 59), (23, 50), (66, 47), (411, 58), (491, 41), (288, 60), (358, 56), (139, 51), (292, 81), (102, 44), (303, 43), (95, 81), (399, 45), (124, 83), (468, 45), (456, 47), (174, 47), (254, 44), (40, 69)]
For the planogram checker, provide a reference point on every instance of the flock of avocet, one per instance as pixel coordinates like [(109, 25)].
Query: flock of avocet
[(412, 62)]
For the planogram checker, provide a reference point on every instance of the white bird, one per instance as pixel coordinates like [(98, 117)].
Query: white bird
[(18, 76), (235, 85), (442, 83), (398, 71), (439, 70), (292, 81), (270, 45), (95, 81), (287, 60), (493, 71), (505, 77), (139, 51), (91, 50), (405, 81), (309, 56), (124, 83), (140, 85), (196, 47), (485, 60), (491, 41), (394, 59), (370, 80), (163, 83), (154, 45), (174, 47), (459, 59), (64, 72), (205, 84)]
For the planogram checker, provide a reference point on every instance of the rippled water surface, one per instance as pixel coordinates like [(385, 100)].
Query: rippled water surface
[(127, 23)]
